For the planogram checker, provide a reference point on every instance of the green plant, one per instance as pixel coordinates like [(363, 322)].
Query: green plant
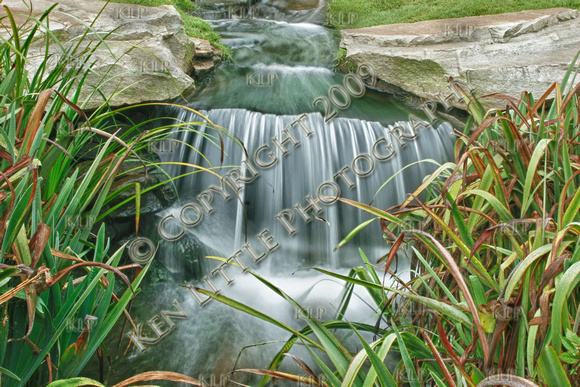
[(62, 273), (57, 166), (342, 63), (572, 354), (499, 240), (495, 262)]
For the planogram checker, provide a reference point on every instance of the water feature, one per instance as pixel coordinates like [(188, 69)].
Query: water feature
[(282, 63)]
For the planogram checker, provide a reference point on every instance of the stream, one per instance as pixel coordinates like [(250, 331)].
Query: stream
[(261, 211)]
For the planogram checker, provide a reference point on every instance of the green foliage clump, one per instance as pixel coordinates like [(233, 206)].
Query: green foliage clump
[(57, 167), (199, 28), (52, 271), (342, 63)]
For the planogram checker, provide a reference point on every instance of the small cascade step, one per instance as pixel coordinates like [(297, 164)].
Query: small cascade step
[(224, 9)]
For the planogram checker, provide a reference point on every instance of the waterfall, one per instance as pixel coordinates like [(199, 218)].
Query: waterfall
[(279, 158), (347, 157), (207, 339)]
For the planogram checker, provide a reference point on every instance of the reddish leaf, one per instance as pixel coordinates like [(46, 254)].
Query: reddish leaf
[(393, 251), (58, 276), (304, 366), (159, 375), (435, 353), (38, 242), (36, 119)]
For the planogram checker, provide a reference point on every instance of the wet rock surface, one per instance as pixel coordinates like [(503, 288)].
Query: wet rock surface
[(504, 53)]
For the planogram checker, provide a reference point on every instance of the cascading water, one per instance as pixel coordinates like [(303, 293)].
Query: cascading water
[(253, 212), (347, 157)]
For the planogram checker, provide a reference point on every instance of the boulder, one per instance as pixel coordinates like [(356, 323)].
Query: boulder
[(145, 54), (506, 53)]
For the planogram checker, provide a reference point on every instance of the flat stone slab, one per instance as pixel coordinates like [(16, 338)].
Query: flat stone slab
[(506, 53)]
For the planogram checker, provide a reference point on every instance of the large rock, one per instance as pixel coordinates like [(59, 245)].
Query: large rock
[(146, 55), (506, 53)]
